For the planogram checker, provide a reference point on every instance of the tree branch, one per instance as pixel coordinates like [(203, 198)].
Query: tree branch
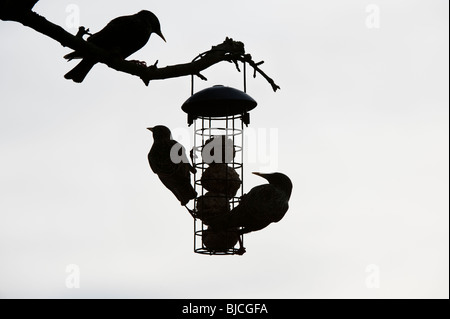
[(12, 9), (229, 50)]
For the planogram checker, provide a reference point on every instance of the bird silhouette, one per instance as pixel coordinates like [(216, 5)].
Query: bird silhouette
[(263, 205), (167, 159), (122, 36)]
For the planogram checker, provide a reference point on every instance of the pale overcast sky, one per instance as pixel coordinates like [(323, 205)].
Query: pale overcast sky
[(360, 125)]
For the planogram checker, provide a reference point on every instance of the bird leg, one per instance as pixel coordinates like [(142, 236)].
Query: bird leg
[(139, 63), (82, 31), (192, 212), (244, 231), (150, 68), (241, 249)]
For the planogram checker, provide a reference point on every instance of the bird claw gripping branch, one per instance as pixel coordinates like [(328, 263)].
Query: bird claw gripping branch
[(140, 63), (82, 31)]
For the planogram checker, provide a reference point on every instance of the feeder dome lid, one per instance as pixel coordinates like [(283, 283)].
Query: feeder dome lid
[(218, 101)]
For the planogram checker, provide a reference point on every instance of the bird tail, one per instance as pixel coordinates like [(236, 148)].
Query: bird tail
[(185, 197), (79, 72), (72, 55), (182, 190)]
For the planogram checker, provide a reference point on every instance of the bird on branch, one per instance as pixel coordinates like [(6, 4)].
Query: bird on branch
[(263, 205), (122, 36), (167, 159)]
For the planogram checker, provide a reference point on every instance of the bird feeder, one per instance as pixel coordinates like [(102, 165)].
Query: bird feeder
[(218, 114)]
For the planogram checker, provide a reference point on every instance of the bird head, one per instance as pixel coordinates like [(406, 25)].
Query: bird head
[(152, 21), (160, 132), (279, 180)]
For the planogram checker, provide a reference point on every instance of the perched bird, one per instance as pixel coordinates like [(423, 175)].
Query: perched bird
[(122, 36), (263, 205), (167, 159)]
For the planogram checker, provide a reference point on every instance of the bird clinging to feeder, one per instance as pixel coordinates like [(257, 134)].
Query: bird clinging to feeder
[(167, 159), (122, 36), (263, 205)]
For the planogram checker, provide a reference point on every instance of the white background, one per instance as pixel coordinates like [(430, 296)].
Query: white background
[(362, 122)]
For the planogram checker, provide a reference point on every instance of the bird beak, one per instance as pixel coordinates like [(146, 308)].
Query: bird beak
[(259, 174), (161, 35), (150, 129)]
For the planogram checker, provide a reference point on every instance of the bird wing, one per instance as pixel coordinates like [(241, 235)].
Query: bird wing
[(116, 27), (159, 157), (179, 183), (184, 159), (263, 205), (126, 34), (175, 176), (181, 155), (272, 203), (106, 37)]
